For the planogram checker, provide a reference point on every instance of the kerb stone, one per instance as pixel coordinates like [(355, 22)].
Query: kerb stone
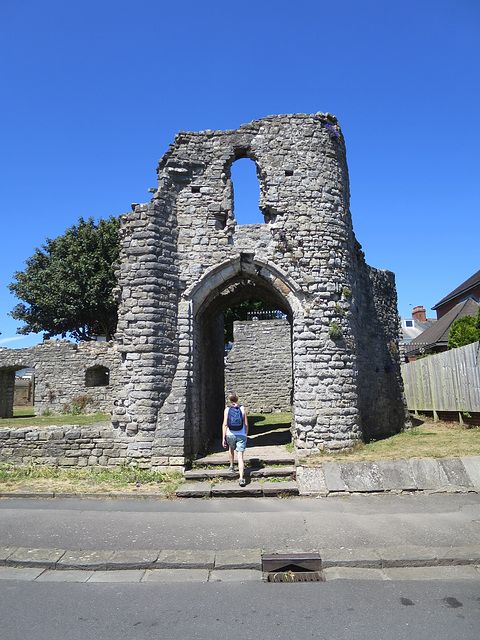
[(185, 559), (239, 559), (396, 475), (35, 557)]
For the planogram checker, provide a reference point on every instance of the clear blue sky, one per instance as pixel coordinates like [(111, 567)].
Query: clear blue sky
[(93, 92)]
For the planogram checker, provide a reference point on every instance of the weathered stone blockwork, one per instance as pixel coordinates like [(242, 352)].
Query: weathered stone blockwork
[(259, 366), (68, 446), (185, 260), (64, 372)]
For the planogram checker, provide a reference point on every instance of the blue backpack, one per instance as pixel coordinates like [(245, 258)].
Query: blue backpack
[(235, 418)]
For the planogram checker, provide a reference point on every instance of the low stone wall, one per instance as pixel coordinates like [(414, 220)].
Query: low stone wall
[(259, 366), (67, 446)]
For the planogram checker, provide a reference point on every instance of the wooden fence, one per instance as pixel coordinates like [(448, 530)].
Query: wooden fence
[(448, 381)]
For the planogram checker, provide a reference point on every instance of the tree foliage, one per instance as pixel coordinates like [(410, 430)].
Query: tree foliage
[(463, 331), (67, 285)]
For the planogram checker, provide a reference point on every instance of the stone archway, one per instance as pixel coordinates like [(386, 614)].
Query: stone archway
[(228, 284)]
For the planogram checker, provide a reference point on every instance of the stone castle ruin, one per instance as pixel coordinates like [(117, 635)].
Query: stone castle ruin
[(185, 260)]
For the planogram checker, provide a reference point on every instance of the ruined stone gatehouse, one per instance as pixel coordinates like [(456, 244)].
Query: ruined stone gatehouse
[(184, 260)]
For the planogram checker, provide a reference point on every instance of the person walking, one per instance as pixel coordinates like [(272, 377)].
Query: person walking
[(234, 434)]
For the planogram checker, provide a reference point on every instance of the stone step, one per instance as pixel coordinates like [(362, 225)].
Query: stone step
[(253, 461), (232, 489), (265, 472)]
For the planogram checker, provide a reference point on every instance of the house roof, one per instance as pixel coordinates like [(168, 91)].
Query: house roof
[(437, 334), (463, 288), (414, 328)]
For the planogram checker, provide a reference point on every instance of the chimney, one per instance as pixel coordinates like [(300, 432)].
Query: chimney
[(419, 314)]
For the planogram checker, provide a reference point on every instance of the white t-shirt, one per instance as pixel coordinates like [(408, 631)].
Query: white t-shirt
[(240, 432)]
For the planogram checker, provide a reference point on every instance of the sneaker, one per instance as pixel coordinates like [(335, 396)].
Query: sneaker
[(232, 469), (242, 482)]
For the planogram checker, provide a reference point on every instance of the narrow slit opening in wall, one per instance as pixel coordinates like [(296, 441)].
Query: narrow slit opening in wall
[(246, 192), (195, 189)]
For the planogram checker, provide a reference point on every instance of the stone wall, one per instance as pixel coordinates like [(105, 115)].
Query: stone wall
[(184, 260), (259, 366), (67, 446), (65, 373)]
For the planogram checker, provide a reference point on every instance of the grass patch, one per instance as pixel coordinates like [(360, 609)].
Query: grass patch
[(25, 417), (428, 440), (89, 480), (275, 420)]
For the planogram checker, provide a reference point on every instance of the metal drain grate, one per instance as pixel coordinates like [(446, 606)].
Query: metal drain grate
[(296, 567)]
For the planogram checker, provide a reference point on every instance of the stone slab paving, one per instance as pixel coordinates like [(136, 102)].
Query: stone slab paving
[(185, 559), (388, 563), (352, 573), (455, 472), (176, 575), (237, 575), (360, 558), (132, 559), (5, 553), (396, 475), (68, 575), (403, 556), (361, 476), (448, 474), (311, 480), (334, 481), (25, 574), (129, 575), (95, 560), (35, 557), (238, 559), (432, 573), (458, 555), (472, 467), (428, 475)]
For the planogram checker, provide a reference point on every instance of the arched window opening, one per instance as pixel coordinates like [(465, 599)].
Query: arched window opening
[(97, 376), (246, 192)]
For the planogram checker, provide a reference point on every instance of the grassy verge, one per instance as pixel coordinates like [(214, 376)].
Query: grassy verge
[(123, 479), (426, 440), (25, 417)]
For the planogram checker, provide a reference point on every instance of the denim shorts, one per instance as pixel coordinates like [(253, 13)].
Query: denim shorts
[(237, 442)]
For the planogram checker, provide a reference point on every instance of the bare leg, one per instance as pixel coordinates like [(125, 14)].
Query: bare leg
[(231, 455), (241, 464)]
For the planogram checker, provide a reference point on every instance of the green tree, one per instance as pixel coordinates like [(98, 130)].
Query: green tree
[(462, 332), (67, 285)]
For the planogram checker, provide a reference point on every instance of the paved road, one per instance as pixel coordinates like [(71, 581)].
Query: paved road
[(443, 520), (340, 610)]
